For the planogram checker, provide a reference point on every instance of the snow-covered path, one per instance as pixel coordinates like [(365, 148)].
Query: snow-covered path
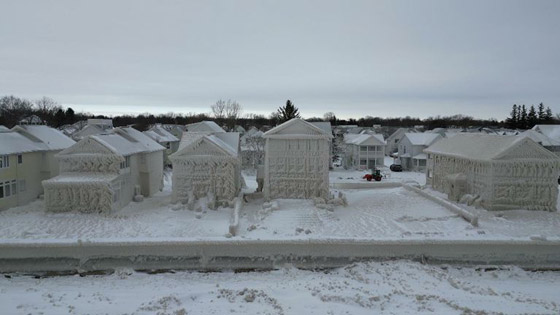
[(394, 287)]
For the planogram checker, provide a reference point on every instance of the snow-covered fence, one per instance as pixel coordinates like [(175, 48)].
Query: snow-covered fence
[(234, 220), (471, 218)]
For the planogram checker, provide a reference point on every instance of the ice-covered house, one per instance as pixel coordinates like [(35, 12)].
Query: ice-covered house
[(26, 158), (164, 138), (104, 172), (207, 165), (498, 172), (296, 163), (363, 151), (93, 127), (393, 140), (327, 128), (411, 149)]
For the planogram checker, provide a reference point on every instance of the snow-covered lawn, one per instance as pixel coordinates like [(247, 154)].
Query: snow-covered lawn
[(394, 287), (375, 214)]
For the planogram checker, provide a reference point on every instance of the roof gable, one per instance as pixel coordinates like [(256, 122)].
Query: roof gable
[(207, 145), (89, 145), (296, 128)]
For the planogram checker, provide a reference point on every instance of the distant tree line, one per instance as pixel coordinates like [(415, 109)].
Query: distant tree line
[(520, 118), (229, 114)]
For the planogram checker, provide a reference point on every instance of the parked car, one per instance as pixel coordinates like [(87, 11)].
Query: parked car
[(396, 167)]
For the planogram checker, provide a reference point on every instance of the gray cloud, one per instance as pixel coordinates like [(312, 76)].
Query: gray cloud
[(355, 58)]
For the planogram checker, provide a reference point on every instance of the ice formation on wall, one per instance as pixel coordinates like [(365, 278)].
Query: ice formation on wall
[(297, 158), (506, 172)]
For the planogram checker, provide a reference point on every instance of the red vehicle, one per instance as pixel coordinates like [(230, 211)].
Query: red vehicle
[(376, 175)]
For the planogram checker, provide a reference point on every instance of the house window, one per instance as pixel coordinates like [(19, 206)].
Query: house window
[(404, 149), (20, 158), (126, 162), (4, 161), (363, 162), (1, 190), (396, 141), (363, 148), (8, 188), (22, 185), (168, 145)]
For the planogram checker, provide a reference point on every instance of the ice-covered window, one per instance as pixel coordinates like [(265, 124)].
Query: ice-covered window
[(7, 189), (126, 162), (21, 185), (4, 161), (168, 145), (20, 158), (1, 190)]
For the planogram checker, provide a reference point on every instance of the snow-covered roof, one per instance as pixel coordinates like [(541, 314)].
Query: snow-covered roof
[(52, 138), (421, 156), (323, 125), (551, 131), (483, 146), (424, 139), (141, 139), (364, 139), (297, 128), (159, 134), (3, 128), (227, 141), (204, 126), (12, 142), (88, 130), (540, 138)]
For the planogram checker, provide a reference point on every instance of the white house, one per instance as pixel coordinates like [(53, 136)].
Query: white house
[(103, 173), (502, 172), (393, 140), (296, 163), (363, 151), (165, 139), (26, 158), (327, 128), (411, 149), (207, 165)]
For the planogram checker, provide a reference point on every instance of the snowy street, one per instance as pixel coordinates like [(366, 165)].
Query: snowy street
[(393, 287)]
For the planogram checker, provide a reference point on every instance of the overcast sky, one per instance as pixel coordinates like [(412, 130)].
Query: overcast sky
[(355, 58)]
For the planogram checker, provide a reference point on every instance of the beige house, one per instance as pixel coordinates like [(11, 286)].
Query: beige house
[(502, 172), (26, 158), (103, 173), (297, 159), (363, 151)]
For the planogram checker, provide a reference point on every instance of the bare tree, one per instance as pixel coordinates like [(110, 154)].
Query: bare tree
[(219, 109), (46, 107), (233, 110)]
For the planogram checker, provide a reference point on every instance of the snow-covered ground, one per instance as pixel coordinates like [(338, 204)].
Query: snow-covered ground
[(393, 287), (371, 214)]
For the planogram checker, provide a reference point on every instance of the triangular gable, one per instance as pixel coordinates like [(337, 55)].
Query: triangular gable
[(526, 148), (202, 147), (371, 140), (297, 127), (88, 145)]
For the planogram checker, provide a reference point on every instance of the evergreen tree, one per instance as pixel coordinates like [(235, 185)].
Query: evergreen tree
[(70, 116), (513, 120), (532, 117), (287, 112), (523, 117), (59, 118), (548, 115), (541, 113)]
